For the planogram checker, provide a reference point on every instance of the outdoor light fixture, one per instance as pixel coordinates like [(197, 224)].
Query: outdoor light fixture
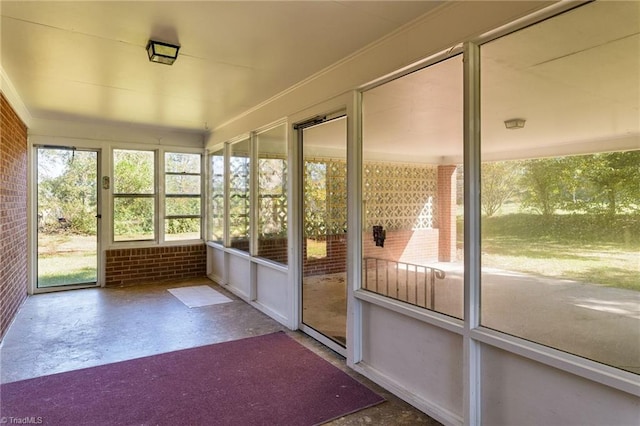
[(163, 53), (514, 123)]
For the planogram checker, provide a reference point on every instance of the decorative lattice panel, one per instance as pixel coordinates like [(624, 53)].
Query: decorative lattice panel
[(400, 196), (216, 199), (272, 194), (325, 201), (239, 197)]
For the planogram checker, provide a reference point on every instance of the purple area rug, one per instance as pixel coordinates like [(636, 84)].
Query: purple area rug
[(264, 380)]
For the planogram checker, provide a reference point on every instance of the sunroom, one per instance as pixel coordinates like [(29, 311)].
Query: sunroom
[(453, 228)]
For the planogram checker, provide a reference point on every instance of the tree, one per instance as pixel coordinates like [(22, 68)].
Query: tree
[(498, 184), (67, 190), (315, 201), (604, 182), (615, 180), (183, 192), (133, 189), (542, 184)]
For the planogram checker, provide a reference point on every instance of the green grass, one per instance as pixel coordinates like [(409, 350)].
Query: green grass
[(316, 249), (582, 247), (65, 269), (588, 248)]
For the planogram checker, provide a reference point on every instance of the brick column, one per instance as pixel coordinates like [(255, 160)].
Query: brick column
[(447, 213)]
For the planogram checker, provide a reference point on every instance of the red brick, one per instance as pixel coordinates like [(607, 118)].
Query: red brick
[(13, 220), (154, 264)]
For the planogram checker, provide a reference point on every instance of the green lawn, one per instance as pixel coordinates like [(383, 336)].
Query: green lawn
[(587, 248), (316, 249), (606, 265), (66, 259), (67, 269)]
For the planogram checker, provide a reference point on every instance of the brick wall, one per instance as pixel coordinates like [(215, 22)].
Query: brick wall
[(418, 246), (275, 249), (154, 264), (411, 246), (335, 261), (13, 217)]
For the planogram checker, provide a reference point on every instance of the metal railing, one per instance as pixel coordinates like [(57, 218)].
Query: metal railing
[(407, 282)]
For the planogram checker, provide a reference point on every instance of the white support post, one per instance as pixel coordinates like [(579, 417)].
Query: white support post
[(354, 227), (253, 194), (472, 267), (227, 193)]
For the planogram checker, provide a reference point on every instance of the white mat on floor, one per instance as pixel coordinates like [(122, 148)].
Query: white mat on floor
[(199, 295)]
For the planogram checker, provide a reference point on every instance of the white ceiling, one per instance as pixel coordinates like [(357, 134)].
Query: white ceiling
[(574, 78), (86, 61)]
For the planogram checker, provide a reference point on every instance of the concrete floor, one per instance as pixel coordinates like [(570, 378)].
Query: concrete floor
[(324, 304), (69, 330), (592, 321)]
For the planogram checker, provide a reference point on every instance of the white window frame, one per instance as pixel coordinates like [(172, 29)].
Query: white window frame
[(164, 197), (159, 179), (473, 334)]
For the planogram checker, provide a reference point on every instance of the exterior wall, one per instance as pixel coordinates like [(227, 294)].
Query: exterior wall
[(275, 249), (13, 218), (418, 246), (153, 264), (334, 262), (403, 199)]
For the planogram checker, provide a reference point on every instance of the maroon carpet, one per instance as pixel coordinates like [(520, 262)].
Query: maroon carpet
[(264, 380)]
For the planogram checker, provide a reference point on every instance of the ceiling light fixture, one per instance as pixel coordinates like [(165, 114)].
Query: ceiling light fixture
[(163, 53), (514, 123)]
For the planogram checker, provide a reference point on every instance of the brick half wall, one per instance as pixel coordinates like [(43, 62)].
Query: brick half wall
[(154, 264), (13, 214), (418, 246)]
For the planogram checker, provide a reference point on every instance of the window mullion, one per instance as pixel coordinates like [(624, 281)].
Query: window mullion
[(160, 202), (253, 195), (471, 348)]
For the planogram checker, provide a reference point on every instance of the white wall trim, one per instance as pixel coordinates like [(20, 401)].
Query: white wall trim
[(421, 314), (273, 314), (217, 279), (12, 96), (235, 290), (270, 264), (259, 306), (600, 373)]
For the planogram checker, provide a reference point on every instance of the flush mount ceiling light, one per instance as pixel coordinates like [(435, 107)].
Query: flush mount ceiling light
[(514, 123), (163, 53)]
